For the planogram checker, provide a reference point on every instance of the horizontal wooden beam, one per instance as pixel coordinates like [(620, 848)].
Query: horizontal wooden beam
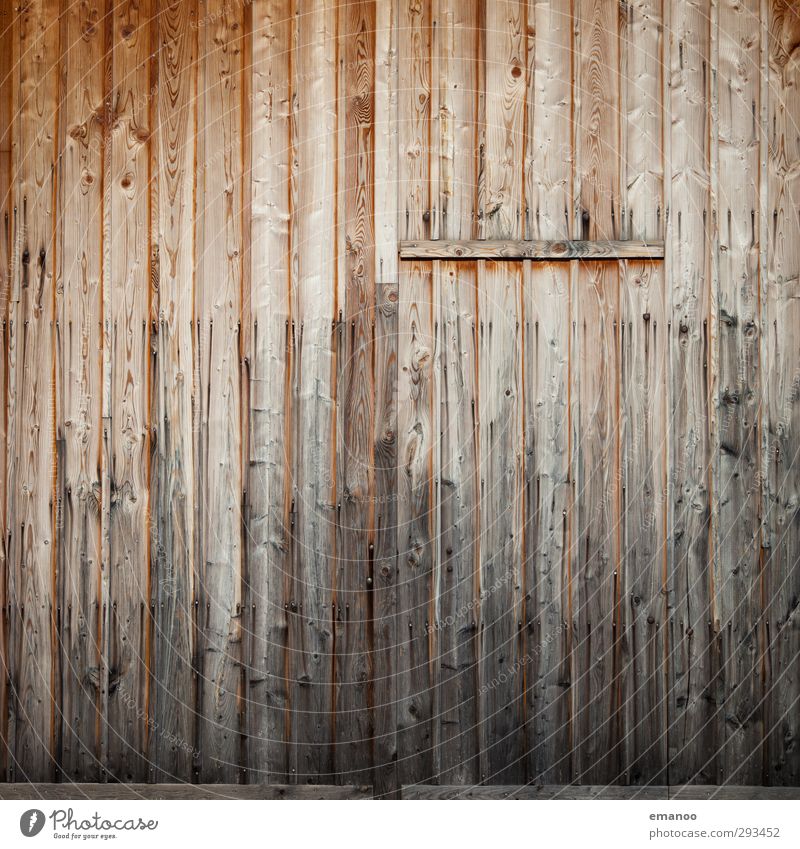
[(25, 791), (536, 249), (612, 791)]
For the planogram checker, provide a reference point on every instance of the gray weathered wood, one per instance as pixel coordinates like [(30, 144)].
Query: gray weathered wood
[(176, 792)]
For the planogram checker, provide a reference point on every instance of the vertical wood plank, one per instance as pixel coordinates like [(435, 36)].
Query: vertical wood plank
[(128, 433), (269, 483), (457, 592), (314, 263), (33, 468), (595, 395), (782, 403), (354, 673), (505, 64), (546, 306), (218, 311), (79, 382), (643, 407), (692, 644), (737, 500), (385, 625), (501, 663), (414, 119), (6, 222)]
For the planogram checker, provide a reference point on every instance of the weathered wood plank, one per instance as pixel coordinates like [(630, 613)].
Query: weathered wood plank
[(416, 566), (691, 643), (499, 422), (127, 277), (500, 176), (596, 358), (169, 792), (7, 53), (548, 148), (781, 404), (79, 374), (314, 264), (702, 792), (353, 615), (172, 738), (737, 497), (643, 407), (530, 792), (535, 249), (269, 481), (32, 473), (547, 597), (457, 590), (384, 589), (457, 65), (414, 119), (218, 310)]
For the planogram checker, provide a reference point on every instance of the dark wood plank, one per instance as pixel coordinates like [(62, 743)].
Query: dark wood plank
[(532, 792), (536, 249), (702, 792), (781, 404), (176, 792)]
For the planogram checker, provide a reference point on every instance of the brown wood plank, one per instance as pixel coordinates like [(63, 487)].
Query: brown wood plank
[(385, 630), (737, 498), (535, 249), (172, 737), (457, 590), (643, 407), (314, 264), (6, 222), (500, 181), (218, 311), (269, 491), (703, 792), (781, 402), (547, 594), (79, 374), (416, 566), (175, 792), (127, 327), (414, 118), (34, 727), (501, 661), (355, 398), (688, 280), (457, 118), (530, 792)]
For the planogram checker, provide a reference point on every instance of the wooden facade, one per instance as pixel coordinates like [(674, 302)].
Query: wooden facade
[(400, 392)]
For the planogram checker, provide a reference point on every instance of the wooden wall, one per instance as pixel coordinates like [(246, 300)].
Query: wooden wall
[(280, 507)]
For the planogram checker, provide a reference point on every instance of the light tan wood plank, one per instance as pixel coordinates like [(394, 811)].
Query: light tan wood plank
[(269, 484), (537, 249), (218, 311), (79, 389), (127, 325), (32, 473)]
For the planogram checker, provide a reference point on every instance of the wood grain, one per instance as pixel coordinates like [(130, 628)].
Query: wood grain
[(269, 486), (218, 312), (34, 669), (536, 249), (688, 278), (79, 391), (170, 792), (127, 330), (781, 417)]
